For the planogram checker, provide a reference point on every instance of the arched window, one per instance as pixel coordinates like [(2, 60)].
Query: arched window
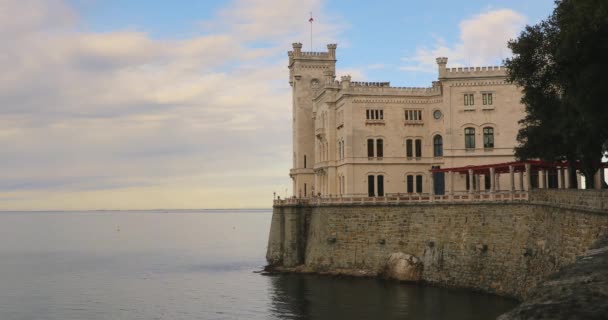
[(408, 148), (380, 192), (370, 186), (438, 146), (418, 184), (418, 148), (469, 138), (410, 184), (488, 137), (304, 161), (370, 148), (379, 148)]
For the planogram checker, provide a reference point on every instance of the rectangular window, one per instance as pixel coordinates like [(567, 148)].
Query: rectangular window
[(410, 184), (370, 148), (488, 137), (408, 148), (418, 184), (374, 114), (380, 186), (418, 148), (469, 100), (438, 146), (487, 99), (305, 190), (370, 186), (469, 138), (379, 148), (414, 116)]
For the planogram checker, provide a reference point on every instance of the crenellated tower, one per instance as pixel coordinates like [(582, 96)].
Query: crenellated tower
[(307, 74)]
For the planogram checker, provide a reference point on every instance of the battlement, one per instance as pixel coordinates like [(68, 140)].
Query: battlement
[(314, 54), (385, 87), (472, 69), (468, 72), (297, 53), (369, 84), (432, 91)]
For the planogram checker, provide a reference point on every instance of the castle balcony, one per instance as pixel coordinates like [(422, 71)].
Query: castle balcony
[(297, 171)]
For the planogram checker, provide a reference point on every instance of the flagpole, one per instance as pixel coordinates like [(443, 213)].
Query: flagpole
[(311, 20)]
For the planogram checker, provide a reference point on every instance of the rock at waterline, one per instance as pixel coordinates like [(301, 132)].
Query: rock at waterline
[(403, 267)]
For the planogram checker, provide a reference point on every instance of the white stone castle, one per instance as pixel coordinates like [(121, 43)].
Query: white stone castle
[(370, 139)]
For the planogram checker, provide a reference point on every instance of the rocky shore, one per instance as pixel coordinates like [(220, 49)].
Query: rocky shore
[(577, 291)]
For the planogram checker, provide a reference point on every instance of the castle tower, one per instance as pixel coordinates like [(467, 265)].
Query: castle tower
[(306, 76), (441, 66)]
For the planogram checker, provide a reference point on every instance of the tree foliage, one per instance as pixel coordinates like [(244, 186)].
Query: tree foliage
[(561, 64)]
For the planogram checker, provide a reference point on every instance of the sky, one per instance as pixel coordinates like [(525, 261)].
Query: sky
[(108, 104)]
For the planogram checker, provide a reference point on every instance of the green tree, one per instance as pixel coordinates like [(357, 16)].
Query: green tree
[(561, 64)]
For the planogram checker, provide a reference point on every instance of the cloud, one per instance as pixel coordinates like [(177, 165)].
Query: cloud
[(122, 120), (483, 41)]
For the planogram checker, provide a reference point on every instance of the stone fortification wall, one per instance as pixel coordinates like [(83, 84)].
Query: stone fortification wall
[(288, 235), (504, 248), (589, 200)]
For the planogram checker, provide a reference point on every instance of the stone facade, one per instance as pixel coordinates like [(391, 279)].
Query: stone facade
[(499, 247), (368, 138)]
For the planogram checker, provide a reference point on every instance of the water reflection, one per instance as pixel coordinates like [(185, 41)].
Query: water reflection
[(319, 297), (187, 265)]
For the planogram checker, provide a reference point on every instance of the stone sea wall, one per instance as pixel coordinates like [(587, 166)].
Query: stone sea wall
[(577, 291), (498, 247)]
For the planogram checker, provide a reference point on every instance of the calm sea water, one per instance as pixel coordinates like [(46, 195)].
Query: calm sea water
[(188, 265)]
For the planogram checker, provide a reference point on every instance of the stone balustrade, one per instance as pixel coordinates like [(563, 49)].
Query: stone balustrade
[(397, 199)]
